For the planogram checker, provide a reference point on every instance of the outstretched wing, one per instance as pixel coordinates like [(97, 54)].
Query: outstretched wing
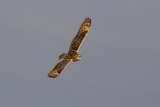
[(81, 34), (57, 70)]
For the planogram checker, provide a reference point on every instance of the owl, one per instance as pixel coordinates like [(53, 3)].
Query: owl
[(72, 54)]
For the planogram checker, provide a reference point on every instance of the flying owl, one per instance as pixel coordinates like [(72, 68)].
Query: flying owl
[(72, 54)]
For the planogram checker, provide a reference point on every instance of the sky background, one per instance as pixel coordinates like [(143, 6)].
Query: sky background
[(120, 64)]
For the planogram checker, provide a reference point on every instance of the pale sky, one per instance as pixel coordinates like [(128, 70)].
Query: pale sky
[(120, 64)]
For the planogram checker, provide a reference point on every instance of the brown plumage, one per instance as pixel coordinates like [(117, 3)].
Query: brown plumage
[(72, 54)]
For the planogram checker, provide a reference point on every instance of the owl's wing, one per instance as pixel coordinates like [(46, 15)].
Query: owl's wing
[(57, 70), (81, 34)]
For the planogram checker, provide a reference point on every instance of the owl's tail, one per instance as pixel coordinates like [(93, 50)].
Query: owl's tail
[(62, 56)]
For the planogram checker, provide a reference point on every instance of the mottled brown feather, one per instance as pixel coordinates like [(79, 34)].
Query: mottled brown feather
[(81, 34), (57, 70)]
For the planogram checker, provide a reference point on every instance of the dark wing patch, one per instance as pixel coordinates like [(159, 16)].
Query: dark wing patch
[(57, 70)]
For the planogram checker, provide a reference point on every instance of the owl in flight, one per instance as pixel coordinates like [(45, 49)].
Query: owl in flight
[(72, 54)]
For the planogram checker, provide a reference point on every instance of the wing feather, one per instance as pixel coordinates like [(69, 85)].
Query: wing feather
[(57, 70), (81, 34)]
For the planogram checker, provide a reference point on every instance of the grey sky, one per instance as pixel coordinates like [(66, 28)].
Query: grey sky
[(120, 64)]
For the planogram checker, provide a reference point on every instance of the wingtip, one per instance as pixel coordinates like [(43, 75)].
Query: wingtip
[(53, 74), (88, 19)]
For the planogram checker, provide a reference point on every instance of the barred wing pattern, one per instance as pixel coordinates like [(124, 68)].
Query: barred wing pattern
[(57, 70), (81, 34)]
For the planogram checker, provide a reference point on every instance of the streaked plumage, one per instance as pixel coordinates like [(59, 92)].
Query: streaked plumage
[(72, 54)]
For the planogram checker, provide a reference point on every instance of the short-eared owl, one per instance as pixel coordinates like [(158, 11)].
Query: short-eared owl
[(72, 54)]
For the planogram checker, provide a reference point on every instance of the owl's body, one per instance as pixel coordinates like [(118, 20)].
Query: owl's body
[(72, 54)]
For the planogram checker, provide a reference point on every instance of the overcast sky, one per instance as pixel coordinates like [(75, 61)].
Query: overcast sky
[(120, 64)]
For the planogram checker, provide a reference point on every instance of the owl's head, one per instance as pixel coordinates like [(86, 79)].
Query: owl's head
[(76, 57)]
